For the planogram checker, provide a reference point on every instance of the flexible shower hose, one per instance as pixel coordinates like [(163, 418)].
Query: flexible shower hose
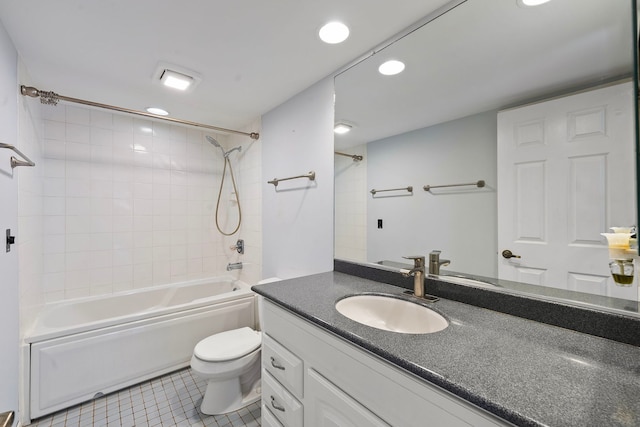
[(235, 190)]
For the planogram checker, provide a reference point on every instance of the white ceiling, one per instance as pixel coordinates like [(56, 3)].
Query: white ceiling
[(252, 55)]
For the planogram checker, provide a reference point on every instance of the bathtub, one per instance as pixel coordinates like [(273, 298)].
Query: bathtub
[(83, 348)]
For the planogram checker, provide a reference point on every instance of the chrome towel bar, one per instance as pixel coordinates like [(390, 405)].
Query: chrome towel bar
[(409, 189), (16, 162), (478, 184), (311, 175)]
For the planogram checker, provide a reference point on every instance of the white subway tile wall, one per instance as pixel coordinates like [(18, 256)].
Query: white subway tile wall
[(130, 203)]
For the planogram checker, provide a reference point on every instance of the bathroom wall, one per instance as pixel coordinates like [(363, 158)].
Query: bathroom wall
[(30, 206), (130, 202), (351, 205), (297, 137), (461, 222), (9, 295)]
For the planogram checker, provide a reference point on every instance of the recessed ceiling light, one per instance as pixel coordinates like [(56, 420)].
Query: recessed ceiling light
[(158, 111), (341, 128), (529, 3), (391, 67), (176, 80), (334, 32)]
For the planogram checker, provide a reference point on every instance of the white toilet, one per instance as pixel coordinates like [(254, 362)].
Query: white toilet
[(230, 362)]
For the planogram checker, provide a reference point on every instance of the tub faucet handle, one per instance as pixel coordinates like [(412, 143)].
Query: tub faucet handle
[(238, 247)]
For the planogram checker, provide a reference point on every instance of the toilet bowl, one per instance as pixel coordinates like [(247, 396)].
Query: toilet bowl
[(230, 362)]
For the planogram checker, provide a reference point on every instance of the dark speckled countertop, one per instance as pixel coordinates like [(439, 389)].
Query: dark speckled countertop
[(525, 372)]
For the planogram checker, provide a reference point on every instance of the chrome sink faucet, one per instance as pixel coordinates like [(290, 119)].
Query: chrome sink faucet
[(418, 275), (435, 262)]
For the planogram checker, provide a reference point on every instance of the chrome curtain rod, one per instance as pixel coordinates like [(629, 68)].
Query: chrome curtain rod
[(355, 157), (52, 98)]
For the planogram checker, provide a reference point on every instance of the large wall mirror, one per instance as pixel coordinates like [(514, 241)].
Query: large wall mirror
[(511, 128)]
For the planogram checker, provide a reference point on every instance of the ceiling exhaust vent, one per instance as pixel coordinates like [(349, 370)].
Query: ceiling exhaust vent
[(176, 77)]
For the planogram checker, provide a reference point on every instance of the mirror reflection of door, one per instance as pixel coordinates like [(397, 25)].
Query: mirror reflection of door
[(562, 165)]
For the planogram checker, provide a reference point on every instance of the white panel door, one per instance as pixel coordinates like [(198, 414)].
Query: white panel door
[(566, 173)]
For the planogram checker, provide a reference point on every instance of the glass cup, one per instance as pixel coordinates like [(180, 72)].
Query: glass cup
[(622, 271)]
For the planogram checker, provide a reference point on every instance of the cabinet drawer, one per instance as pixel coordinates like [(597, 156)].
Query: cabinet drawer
[(285, 366), (268, 419), (282, 404)]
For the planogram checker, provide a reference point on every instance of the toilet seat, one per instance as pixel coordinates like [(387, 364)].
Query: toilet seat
[(228, 345)]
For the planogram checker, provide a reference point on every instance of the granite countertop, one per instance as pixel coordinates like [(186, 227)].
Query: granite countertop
[(525, 372)]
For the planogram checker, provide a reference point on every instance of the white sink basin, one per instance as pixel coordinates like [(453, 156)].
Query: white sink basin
[(391, 314)]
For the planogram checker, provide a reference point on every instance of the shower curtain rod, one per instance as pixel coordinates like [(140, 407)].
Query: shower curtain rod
[(52, 98)]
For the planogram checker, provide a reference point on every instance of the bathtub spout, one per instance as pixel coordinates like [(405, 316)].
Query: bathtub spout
[(234, 266)]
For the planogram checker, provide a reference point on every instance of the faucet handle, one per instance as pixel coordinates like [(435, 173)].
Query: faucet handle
[(418, 260)]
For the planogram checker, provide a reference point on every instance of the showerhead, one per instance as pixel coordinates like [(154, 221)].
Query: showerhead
[(213, 141)]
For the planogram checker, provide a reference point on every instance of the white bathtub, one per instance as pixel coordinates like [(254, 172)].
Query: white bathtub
[(82, 348)]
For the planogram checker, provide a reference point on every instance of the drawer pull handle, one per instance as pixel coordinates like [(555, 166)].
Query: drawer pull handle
[(273, 404), (276, 365)]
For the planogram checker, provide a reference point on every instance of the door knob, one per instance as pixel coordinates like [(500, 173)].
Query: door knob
[(508, 254)]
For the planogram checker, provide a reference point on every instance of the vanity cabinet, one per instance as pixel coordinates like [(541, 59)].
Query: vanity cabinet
[(313, 378)]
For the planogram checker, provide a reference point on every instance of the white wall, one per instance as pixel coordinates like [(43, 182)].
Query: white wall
[(297, 137), (30, 207), (9, 295), (461, 222)]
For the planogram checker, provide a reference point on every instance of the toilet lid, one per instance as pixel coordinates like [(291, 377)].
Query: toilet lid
[(228, 345)]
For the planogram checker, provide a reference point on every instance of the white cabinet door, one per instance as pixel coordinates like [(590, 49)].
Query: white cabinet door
[(566, 174), (328, 406)]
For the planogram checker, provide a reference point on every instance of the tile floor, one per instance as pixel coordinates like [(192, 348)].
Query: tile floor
[(171, 400)]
